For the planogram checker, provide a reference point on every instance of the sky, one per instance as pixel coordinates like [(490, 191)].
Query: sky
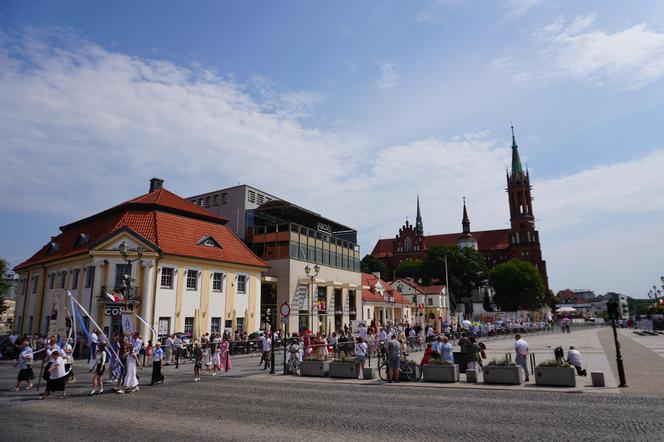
[(350, 109)]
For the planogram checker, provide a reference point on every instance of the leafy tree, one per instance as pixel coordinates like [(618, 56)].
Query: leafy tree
[(466, 269), (411, 269), (4, 286), (518, 285), (372, 264)]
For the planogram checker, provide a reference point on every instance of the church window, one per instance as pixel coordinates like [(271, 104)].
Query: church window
[(523, 235), (408, 245)]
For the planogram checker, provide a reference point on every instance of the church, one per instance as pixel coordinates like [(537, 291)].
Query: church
[(521, 240)]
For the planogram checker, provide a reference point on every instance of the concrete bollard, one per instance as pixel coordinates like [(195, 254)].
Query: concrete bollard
[(471, 376), (597, 378)]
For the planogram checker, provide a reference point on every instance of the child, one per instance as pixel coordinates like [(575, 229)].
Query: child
[(216, 359), (198, 362)]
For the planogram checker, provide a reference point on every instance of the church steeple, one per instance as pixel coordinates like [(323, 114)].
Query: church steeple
[(465, 222), (419, 228), (516, 160)]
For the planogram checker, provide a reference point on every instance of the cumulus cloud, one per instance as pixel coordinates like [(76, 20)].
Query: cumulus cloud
[(576, 49), (518, 8), (389, 75), (76, 116)]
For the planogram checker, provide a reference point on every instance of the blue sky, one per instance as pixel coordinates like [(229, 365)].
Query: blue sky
[(349, 108)]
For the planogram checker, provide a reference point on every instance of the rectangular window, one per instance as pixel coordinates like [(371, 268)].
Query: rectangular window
[(189, 325), (241, 284), (89, 276), (62, 280), (293, 250), (217, 282), (252, 197), (228, 323), (35, 281), (260, 199), (223, 198), (215, 325), (207, 202), (215, 200), (166, 278), (429, 301), (120, 271), (192, 279), (240, 324), (74, 279)]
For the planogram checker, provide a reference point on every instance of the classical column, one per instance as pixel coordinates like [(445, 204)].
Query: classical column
[(146, 301)]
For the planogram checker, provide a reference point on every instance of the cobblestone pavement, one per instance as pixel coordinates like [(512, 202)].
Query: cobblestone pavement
[(643, 366), (248, 408)]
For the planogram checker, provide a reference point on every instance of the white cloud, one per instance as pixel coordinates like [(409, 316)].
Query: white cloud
[(389, 75), (519, 8), (576, 49)]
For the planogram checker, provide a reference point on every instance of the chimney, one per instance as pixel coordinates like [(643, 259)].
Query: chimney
[(156, 184), (376, 274)]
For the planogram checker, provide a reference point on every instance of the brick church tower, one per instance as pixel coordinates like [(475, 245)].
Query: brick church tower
[(524, 238)]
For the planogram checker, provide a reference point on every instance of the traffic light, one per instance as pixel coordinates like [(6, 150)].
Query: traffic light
[(613, 308)]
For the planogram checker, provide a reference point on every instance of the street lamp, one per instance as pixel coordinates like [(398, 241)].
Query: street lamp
[(307, 270), (125, 251), (268, 313)]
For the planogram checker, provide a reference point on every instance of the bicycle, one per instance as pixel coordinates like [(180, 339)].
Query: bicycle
[(408, 370)]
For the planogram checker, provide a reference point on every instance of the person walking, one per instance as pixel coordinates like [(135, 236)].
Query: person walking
[(360, 355), (24, 362), (94, 340), (157, 363), (56, 376), (216, 359), (267, 346), (393, 359), (198, 361), (169, 350), (225, 355), (521, 349), (99, 368), (68, 353), (133, 365)]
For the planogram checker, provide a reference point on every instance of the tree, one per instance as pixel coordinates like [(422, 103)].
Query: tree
[(466, 270), (518, 285), (4, 286), (372, 264), (410, 269)]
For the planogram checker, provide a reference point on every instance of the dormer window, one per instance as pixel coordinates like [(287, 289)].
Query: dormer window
[(208, 241), (53, 247), (83, 238)]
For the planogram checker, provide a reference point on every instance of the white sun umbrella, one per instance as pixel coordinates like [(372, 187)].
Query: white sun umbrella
[(566, 310)]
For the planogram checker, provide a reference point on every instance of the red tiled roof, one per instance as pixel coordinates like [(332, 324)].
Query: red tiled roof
[(174, 226), (371, 295), (486, 240), (424, 289)]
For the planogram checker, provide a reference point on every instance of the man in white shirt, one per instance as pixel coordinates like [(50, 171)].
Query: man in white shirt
[(94, 340), (169, 350), (521, 348), (574, 358), (267, 346)]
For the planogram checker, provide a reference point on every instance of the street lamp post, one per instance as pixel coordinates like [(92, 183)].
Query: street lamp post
[(312, 277), (270, 315), (125, 251)]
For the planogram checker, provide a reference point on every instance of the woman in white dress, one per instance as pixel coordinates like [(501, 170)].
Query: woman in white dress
[(131, 380)]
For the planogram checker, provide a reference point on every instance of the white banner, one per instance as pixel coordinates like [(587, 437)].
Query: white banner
[(128, 323)]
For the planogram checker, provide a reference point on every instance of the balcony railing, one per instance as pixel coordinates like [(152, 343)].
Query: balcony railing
[(134, 296)]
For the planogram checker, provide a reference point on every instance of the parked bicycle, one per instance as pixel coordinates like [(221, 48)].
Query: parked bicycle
[(408, 370)]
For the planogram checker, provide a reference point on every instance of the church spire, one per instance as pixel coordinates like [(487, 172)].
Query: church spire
[(466, 221), (516, 160), (419, 228)]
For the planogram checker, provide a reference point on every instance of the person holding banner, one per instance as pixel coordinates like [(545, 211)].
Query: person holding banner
[(100, 367), (68, 353), (24, 362), (57, 376), (131, 380)]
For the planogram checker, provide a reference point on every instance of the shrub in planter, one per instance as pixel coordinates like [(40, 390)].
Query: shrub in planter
[(553, 373), (502, 372)]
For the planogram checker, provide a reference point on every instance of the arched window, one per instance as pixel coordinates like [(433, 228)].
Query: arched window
[(408, 245), (523, 235)]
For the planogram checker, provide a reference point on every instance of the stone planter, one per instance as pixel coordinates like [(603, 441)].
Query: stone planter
[(368, 373), (315, 368), (343, 370), (499, 374), (555, 376), (440, 373)]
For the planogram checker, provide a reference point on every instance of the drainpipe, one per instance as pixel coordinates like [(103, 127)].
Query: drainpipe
[(41, 303), (154, 295)]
